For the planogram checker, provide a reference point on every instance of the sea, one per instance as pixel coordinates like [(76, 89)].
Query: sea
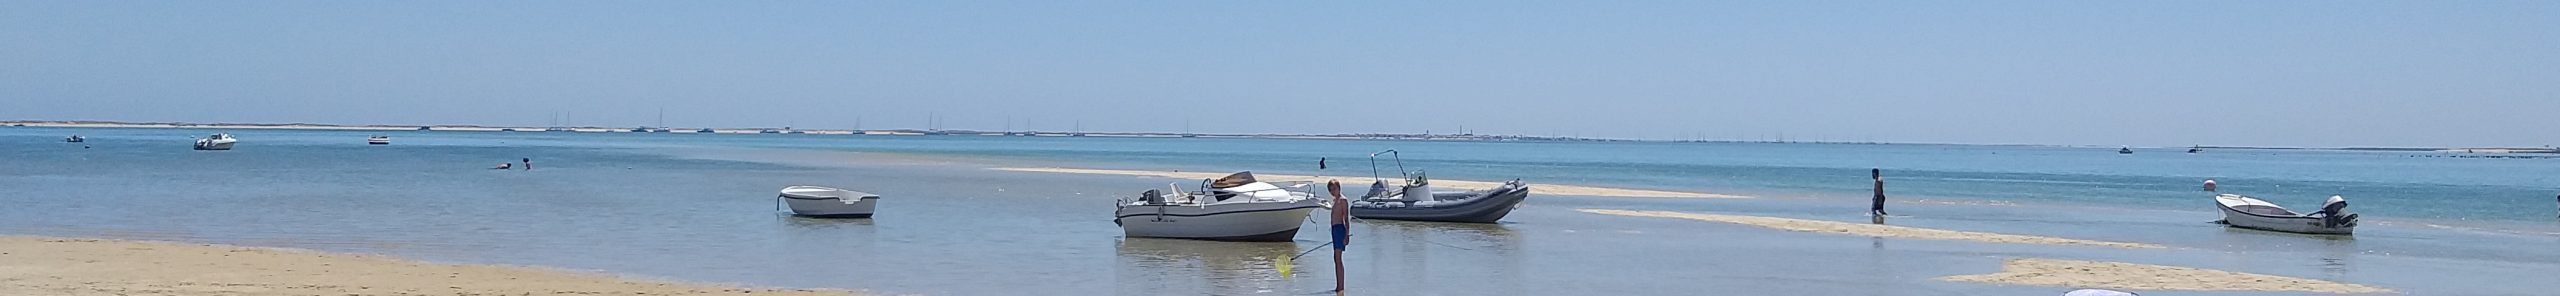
[(701, 208)]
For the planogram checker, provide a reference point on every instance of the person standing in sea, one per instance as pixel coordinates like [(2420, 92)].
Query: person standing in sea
[(1877, 208), (528, 163), (2208, 185)]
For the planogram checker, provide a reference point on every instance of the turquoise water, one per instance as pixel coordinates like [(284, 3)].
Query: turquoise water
[(699, 207)]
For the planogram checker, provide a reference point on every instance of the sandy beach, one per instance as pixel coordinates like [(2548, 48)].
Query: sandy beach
[(2130, 276), (1875, 230), (63, 266), (1541, 189)]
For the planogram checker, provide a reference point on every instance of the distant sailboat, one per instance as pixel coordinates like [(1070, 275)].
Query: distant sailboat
[(2125, 150)]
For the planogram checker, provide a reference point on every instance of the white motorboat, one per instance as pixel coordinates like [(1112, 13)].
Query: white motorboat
[(217, 141), (1234, 208), (828, 202), (75, 139), (2246, 212), (378, 140)]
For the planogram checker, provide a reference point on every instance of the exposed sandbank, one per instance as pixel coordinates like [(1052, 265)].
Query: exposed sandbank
[(60, 266), (1874, 230), (2130, 276), (1550, 189)]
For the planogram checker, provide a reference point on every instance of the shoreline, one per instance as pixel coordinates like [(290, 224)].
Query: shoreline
[(1337, 136), (1535, 188), (38, 265), (2134, 276), (1872, 230)]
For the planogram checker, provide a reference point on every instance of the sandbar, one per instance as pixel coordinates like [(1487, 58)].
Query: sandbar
[(1875, 230), (81, 267), (1547, 189), (2131, 276)]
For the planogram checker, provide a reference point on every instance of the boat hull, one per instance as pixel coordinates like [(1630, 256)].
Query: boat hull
[(1478, 207), (1255, 222), (822, 202), (215, 145), (2239, 218)]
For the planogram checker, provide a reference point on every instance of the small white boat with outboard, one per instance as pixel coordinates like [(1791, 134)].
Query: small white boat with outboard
[(217, 141), (1234, 208), (1414, 201), (2252, 213), (378, 140), (829, 202), (75, 139)]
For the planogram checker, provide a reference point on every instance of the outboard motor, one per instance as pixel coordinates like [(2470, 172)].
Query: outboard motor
[(1151, 197), (2334, 212)]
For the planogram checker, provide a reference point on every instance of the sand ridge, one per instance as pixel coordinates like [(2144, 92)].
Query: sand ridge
[(81, 267), (1875, 230), (1536, 188), (2131, 276)]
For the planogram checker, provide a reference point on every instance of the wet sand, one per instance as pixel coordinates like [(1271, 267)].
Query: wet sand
[(1543, 189), (1874, 230), (2130, 276), (61, 266)]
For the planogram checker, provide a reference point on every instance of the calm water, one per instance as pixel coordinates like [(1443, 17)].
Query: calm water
[(700, 208)]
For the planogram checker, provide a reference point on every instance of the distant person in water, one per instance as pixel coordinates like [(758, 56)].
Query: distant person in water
[(1878, 207), (528, 163), (2208, 185)]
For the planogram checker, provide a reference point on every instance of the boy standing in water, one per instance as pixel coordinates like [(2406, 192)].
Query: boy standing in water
[(528, 163), (1878, 208)]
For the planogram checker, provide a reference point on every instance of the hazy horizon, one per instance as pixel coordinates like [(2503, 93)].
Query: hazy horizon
[(2277, 73)]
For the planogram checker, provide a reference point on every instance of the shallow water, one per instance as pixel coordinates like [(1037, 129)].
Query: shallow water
[(700, 208)]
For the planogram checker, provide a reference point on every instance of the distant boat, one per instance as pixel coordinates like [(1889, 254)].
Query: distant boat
[(506, 130), (1234, 208), (423, 128), (556, 129), (2246, 212), (640, 129), (75, 139), (378, 140), (2194, 150), (217, 141), (658, 130), (768, 132), (828, 202), (705, 131), (2125, 150)]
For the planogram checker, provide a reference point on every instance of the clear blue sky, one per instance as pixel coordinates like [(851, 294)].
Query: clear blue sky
[(2158, 73)]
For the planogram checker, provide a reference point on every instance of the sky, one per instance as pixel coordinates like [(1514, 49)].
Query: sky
[(2142, 73)]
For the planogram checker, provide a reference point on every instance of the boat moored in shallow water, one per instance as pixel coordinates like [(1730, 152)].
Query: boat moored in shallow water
[(378, 140), (1233, 208), (1414, 201), (2247, 212), (829, 202)]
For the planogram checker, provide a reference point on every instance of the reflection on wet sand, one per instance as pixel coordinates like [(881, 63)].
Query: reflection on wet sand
[(1156, 266)]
